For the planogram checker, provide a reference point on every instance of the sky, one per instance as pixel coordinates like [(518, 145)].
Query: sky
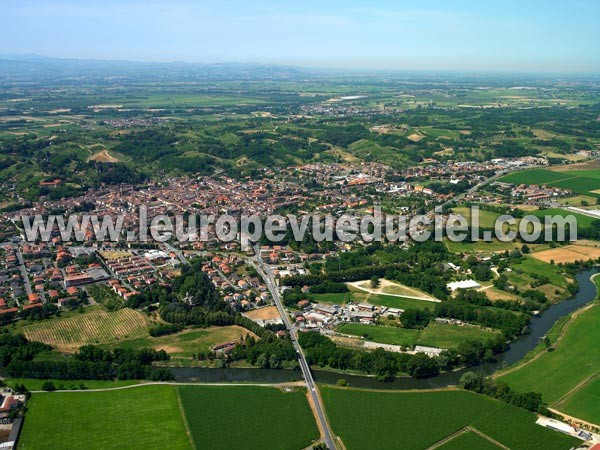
[(507, 35)]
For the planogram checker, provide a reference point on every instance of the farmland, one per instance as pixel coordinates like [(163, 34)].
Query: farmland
[(568, 254), (469, 440), (69, 333), (259, 417), (573, 361), (137, 418), (173, 417), (434, 335), (418, 420), (583, 182)]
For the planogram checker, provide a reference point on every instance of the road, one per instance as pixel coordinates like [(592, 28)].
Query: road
[(24, 273), (265, 271), (179, 253)]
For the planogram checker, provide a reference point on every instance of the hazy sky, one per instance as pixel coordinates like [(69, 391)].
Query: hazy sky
[(522, 35)]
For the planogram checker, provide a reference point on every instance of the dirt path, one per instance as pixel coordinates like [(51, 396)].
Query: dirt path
[(574, 419), (467, 429), (575, 389), (175, 383)]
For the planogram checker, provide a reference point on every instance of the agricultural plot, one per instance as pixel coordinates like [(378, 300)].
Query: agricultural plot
[(582, 182), (249, 417), (573, 361), (469, 440), (417, 420), (434, 335), (128, 419), (568, 254), (70, 333)]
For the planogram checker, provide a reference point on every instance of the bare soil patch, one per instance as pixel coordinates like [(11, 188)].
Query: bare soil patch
[(568, 254), (267, 313)]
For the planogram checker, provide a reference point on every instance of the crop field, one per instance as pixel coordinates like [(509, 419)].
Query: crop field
[(67, 334), (128, 419), (574, 360), (417, 420), (583, 182), (249, 417), (568, 254), (469, 440), (582, 221), (434, 335)]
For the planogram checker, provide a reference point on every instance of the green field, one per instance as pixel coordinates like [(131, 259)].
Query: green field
[(481, 246), (248, 417), (182, 345), (416, 420), (36, 384), (574, 360), (434, 335), (170, 417), (578, 181), (137, 418), (584, 403), (582, 221), (469, 441)]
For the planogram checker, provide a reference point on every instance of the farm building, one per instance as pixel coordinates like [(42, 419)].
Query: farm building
[(464, 284)]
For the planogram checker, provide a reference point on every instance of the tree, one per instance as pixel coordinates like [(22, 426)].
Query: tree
[(48, 386), (374, 281), (524, 249)]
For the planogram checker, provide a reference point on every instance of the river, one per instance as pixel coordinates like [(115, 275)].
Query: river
[(518, 349)]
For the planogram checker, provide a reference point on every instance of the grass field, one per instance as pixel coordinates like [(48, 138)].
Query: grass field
[(523, 272), (574, 360), (356, 295), (139, 418), (70, 333), (36, 384), (584, 403), (390, 287), (481, 246), (417, 420), (249, 417), (183, 344), (434, 335)]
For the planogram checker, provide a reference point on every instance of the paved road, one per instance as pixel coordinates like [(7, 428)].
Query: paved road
[(265, 271), (179, 253), (24, 273)]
